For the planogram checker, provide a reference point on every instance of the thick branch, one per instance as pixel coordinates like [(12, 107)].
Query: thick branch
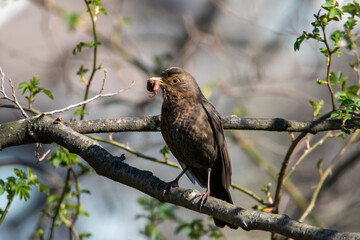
[(15, 133), (152, 123), (116, 169)]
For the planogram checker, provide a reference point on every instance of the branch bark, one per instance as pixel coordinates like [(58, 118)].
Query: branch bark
[(152, 123), (19, 132), (45, 130)]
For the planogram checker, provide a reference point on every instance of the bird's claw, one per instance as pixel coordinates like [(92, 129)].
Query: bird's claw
[(204, 198), (169, 185)]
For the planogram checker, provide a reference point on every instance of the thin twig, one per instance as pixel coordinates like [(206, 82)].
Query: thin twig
[(281, 181), (37, 153), (94, 67), (324, 175), (5, 96), (6, 210), (284, 165), (251, 194), (130, 150), (328, 62), (77, 211), (62, 196), (100, 95), (306, 152), (259, 160)]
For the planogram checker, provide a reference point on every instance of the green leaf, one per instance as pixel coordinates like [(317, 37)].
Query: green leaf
[(43, 188), (22, 190), (103, 10), (332, 13), (165, 150), (82, 70), (317, 107), (21, 174), (336, 114), (48, 93), (316, 31), (352, 8), (324, 51), (84, 213), (336, 37), (333, 79), (11, 180), (81, 112), (78, 48), (298, 42), (84, 235), (34, 82), (335, 12), (340, 95), (349, 24), (23, 86), (328, 4), (352, 90), (339, 53), (33, 88)]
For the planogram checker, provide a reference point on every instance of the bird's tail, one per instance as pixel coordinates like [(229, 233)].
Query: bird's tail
[(219, 191)]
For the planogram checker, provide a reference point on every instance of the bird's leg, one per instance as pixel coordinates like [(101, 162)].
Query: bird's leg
[(174, 183), (207, 193)]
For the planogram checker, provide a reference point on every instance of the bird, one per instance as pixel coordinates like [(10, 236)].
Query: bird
[(193, 131)]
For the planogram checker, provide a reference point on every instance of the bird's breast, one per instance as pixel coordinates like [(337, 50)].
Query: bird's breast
[(188, 133)]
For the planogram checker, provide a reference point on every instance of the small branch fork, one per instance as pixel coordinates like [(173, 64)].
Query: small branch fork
[(6, 97)]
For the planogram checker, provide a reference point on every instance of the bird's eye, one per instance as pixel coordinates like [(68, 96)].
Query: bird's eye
[(175, 80)]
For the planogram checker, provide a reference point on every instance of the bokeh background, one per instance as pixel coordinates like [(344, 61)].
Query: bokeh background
[(240, 52)]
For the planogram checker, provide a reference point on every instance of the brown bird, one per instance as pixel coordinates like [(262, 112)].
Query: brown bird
[(192, 128)]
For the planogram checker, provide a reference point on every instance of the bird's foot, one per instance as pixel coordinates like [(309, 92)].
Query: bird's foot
[(170, 185), (204, 198)]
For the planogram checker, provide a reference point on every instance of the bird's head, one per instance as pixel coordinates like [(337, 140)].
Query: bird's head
[(176, 83)]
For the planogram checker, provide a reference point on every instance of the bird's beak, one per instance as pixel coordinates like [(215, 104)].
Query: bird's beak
[(157, 79)]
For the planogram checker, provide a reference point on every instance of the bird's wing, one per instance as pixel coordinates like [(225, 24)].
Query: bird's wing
[(216, 124)]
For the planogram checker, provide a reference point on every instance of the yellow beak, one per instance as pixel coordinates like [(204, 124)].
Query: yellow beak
[(157, 79)]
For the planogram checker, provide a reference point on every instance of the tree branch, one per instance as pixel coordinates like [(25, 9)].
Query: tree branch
[(152, 123), (45, 130), (18, 132)]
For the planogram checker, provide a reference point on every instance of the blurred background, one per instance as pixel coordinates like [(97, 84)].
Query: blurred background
[(240, 52)]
